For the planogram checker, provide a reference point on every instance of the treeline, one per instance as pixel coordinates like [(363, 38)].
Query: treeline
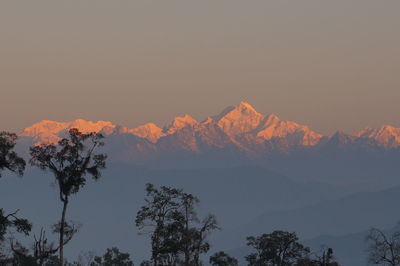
[(177, 234)]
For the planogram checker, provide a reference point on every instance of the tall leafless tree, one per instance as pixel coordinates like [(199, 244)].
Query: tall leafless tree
[(383, 249)]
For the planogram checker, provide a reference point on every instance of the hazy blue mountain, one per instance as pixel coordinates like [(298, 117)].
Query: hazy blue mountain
[(339, 218), (107, 208), (349, 249)]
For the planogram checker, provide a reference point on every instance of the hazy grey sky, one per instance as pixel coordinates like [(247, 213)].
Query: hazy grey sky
[(328, 64)]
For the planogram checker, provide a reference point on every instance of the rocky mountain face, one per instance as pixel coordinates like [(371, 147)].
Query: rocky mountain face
[(238, 130)]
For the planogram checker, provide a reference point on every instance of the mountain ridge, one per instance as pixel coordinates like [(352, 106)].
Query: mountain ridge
[(239, 127)]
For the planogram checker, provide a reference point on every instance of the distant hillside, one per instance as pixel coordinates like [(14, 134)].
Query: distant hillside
[(345, 216), (349, 249)]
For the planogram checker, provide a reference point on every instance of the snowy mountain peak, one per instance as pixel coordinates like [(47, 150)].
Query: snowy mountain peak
[(239, 120), (178, 123), (385, 135), (88, 126), (148, 131), (48, 131), (246, 107), (273, 127)]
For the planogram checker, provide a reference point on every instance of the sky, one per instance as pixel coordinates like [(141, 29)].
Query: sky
[(332, 65)]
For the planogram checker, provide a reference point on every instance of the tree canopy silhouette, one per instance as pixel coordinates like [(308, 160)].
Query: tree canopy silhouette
[(279, 248), (113, 257), (178, 236), (223, 259), (9, 159)]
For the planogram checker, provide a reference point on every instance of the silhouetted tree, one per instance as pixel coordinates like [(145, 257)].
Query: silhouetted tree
[(323, 258), (156, 216), (9, 160), (20, 257), (12, 221), (113, 257), (178, 236), (279, 248), (223, 259), (70, 162), (194, 231), (383, 249), (43, 251)]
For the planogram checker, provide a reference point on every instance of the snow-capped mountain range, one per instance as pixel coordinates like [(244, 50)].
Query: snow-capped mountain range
[(237, 129)]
